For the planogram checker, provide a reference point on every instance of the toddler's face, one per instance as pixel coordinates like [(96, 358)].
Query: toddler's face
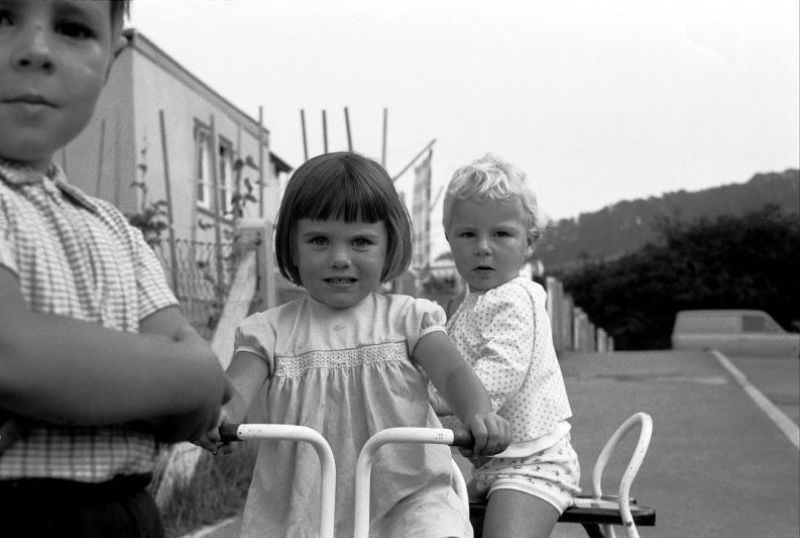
[(54, 56), (340, 262), (489, 241)]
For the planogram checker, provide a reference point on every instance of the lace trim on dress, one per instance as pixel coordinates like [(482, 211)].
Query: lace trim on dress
[(341, 358)]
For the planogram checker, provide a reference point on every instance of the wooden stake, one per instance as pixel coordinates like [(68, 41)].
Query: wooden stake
[(383, 144), (117, 174), (436, 198), (100, 154), (303, 128), (347, 127), (216, 209), (412, 161), (324, 132), (261, 162), (173, 258)]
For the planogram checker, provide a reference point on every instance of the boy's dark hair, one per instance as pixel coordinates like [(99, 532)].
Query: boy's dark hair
[(349, 187)]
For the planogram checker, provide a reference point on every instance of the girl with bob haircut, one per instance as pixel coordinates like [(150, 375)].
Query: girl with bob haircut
[(343, 186), (349, 361)]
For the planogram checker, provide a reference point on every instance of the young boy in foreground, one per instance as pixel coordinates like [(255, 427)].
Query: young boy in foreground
[(98, 367)]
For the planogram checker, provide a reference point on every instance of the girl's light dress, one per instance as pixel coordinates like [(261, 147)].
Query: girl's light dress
[(348, 374)]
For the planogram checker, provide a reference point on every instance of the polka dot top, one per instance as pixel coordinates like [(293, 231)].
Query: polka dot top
[(504, 334)]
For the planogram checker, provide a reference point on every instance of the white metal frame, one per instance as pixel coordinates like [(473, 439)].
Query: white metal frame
[(645, 423), (327, 463), (366, 457), (444, 436)]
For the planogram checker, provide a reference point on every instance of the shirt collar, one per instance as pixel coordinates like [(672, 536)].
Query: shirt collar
[(18, 175)]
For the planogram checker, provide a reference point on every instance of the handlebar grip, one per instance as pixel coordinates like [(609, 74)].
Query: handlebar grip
[(228, 432), (463, 438)]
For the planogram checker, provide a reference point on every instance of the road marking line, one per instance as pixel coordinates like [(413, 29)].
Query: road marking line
[(789, 428)]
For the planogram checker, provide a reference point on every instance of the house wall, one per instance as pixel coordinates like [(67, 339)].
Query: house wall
[(186, 102), (144, 81), (101, 160)]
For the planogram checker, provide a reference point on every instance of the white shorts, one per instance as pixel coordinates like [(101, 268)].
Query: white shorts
[(552, 475)]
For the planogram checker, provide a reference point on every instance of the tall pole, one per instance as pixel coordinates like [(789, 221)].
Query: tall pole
[(173, 258), (117, 149), (324, 132), (412, 161), (303, 128), (383, 143), (347, 127), (217, 209), (100, 155), (261, 162)]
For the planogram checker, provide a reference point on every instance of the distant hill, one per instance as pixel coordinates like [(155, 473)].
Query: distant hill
[(628, 225)]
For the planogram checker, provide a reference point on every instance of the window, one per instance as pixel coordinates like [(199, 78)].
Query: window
[(203, 165), (225, 179)]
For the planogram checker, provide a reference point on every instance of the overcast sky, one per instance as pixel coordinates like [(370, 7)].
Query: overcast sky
[(598, 101)]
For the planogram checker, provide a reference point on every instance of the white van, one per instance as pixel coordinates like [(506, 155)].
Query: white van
[(734, 332)]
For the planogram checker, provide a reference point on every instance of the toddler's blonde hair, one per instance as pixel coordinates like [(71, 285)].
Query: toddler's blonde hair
[(491, 178)]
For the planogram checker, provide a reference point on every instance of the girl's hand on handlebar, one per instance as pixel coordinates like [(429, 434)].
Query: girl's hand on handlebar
[(212, 441)]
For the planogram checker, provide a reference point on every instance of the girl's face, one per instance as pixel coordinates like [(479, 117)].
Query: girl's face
[(489, 240), (340, 262)]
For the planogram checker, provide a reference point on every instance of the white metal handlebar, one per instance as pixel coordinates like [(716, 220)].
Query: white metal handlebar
[(302, 433), (441, 436)]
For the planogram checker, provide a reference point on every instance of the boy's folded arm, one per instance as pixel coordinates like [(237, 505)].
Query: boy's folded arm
[(63, 370)]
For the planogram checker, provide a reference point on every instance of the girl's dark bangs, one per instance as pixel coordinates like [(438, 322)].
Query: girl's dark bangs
[(345, 198)]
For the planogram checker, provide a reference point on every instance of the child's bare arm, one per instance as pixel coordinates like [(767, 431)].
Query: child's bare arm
[(247, 373), (461, 388), (64, 370)]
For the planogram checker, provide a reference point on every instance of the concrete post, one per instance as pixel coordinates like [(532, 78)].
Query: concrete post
[(260, 233)]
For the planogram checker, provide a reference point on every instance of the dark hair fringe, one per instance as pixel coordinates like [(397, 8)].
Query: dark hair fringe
[(349, 187)]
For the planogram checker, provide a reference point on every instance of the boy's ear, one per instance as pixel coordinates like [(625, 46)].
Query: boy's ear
[(531, 247)]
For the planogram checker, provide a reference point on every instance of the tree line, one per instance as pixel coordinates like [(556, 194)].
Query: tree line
[(746, 261), (627, 226)]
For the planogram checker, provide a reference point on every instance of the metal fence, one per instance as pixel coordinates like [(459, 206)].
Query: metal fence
[(201, 279)]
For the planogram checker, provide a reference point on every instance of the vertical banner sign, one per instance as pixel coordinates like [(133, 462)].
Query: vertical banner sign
[(421, 214)]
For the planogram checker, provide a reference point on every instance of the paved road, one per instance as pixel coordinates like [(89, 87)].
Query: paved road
[(717, 466), (777, 378)]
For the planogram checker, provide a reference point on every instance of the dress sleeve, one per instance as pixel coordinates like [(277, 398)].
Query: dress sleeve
[(507, 343), (257, 336), (423, 317)]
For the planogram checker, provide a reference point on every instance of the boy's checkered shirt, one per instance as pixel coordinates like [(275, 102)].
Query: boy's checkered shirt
[(76, 256)]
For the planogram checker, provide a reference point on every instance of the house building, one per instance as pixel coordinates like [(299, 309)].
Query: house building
[(214, 149), (164, 145)]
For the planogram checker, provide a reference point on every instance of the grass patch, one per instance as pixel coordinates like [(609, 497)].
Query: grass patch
[(217, 491)]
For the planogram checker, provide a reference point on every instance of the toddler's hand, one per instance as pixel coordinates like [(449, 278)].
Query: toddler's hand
[(492, 434)]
